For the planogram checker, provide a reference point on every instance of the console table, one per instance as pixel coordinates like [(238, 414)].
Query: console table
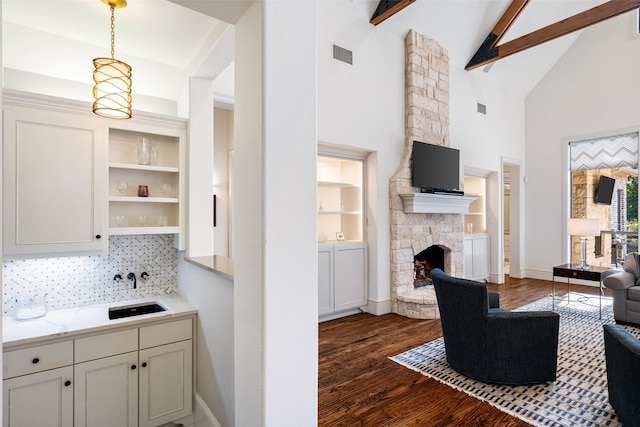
[(571, 271)]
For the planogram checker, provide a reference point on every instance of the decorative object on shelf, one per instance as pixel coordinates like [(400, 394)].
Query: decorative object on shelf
[(143, 191), (321, 205), (121, 221), (112, 77), (122, 186), (340, 236), (147, 154), (583, 227), (165, 189), (142, 220), (163, 221), (469, 228)]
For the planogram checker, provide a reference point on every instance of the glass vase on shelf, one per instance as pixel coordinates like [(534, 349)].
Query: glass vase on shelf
[(147, 154)]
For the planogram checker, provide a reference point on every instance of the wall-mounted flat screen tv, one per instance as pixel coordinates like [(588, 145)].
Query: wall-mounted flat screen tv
[(435, 167), (604, 193)]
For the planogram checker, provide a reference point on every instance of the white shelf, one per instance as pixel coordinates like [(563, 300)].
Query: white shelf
[(130, 166), (134, 199), (339, 212), (337, 184), (143, 230)]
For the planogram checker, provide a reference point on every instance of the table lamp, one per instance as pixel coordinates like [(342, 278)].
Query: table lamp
[(583, 227)]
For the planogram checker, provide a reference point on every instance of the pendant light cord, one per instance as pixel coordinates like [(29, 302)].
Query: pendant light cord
[(113, 29)]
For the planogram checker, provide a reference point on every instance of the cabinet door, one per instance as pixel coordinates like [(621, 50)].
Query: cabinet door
[(106, 392), (350, 276), (44, 399), (54, 183), (481, 257), (325, 280), (468, 257), (166, 383)]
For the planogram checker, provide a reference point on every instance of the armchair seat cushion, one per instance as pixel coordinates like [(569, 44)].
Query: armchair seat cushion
[(633, 293)]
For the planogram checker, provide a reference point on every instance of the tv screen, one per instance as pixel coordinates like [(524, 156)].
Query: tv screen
[(604, 193), (435, 167)]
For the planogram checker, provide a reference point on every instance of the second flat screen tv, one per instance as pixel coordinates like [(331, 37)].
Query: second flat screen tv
[(604, 193), (435, 167)]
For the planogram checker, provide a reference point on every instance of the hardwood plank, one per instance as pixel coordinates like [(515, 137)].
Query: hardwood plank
[(359, 386)]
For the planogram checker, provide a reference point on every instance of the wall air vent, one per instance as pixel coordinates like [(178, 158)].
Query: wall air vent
[(482, 109), (342, 54)]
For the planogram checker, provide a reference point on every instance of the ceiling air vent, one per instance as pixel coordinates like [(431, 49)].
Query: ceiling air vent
[(342, 54)]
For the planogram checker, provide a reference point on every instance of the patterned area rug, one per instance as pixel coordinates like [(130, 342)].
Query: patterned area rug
[(579, 395)]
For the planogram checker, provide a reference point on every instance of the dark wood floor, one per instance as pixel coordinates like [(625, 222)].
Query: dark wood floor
[(359, 386)]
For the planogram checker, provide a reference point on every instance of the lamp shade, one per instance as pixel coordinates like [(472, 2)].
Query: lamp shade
[(583, 227)]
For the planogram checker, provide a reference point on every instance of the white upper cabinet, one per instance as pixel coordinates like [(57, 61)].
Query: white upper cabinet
[(54, 183), (71, 178)]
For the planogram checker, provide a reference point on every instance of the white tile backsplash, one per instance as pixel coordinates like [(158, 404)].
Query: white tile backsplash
[(84, 280)]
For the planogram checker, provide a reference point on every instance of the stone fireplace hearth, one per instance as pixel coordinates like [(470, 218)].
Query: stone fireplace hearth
[(414, 226)]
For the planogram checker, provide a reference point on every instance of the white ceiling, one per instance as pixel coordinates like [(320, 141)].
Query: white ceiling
[(162, 40)]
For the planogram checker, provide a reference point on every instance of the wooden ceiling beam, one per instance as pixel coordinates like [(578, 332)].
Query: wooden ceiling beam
[(387, 8), (508, 18), (489, 52)]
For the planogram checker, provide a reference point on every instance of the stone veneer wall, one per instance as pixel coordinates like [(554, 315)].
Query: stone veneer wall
[(426, 120)]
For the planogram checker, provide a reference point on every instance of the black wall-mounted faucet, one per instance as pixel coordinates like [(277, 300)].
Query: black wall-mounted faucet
[(132, 276)]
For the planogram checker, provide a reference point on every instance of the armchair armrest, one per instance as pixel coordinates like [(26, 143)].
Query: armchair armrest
[(621, 280), (524, 335)]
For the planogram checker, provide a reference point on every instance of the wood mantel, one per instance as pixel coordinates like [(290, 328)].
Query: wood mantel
[(435, 203)]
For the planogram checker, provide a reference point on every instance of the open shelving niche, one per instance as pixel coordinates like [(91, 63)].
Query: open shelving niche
[(475, 186), (166, 168), (339, 199)]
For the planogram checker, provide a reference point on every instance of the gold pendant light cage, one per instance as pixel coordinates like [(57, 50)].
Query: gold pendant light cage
[(112, 77)]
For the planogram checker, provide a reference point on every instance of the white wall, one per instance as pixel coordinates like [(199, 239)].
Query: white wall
[(593, 90), (362, 105), (212, 295), (275, 243)]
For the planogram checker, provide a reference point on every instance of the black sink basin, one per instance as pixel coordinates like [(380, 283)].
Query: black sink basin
[(135, 310)]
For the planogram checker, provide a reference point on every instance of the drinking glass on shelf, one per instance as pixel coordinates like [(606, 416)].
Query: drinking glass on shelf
[(163, 221), (165, 189), (122, 186), (121, 221), (142, 220)]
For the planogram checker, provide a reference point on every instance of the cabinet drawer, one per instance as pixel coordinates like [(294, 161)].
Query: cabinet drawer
[(105, 345), (36, 359), (164, 333)]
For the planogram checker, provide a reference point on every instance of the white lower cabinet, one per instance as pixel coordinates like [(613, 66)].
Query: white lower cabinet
[(476, 256), (342, 278), (106, 391), (43, 399), (141, 376)]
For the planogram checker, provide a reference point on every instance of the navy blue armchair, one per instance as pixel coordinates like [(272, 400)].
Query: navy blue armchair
[(622, 354), (491, 344)]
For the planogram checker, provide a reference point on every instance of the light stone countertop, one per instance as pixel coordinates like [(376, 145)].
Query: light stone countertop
[(90, 319)]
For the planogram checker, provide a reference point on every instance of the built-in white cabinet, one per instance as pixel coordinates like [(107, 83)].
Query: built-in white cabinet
[(476, 256), (72, 178), (139, 376), (54, 183), (342, 279)]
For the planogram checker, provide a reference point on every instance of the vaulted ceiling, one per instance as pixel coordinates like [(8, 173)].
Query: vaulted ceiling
[(165, 40)]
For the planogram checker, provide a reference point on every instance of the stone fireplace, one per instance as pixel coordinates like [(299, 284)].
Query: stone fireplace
[(436, 224)]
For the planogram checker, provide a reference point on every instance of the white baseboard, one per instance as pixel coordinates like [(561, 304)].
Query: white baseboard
[(202, 415), (379, 307)]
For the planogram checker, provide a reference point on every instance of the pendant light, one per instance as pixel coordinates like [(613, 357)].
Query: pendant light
[(112, 90)]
